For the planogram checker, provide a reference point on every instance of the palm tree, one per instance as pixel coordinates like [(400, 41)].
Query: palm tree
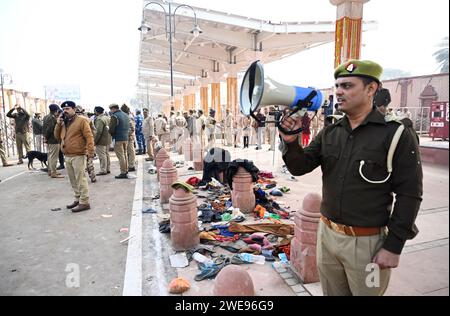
[(441, 55)]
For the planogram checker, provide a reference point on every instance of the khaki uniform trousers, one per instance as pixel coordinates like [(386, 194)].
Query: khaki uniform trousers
[(2, 154), (120, 148), (150, 150), (343, 264), (76, 167), (53, 156), (131, 153), (22, 140), (103, 157)]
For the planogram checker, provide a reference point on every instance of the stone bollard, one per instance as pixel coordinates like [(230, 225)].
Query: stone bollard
[(233, 281), (197, 155), (187, 150), (167, 176), (160, 158), (242, 195), (183, 220), (303, 245)]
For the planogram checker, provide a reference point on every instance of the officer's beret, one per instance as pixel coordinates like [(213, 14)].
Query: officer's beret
[(359, 68), (99, 109), (68, 104), (114, 106)]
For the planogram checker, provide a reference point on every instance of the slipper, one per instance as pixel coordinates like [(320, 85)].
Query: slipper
[(285, 189), (230, 248), (239, 219), (236, 259), (276, 192)]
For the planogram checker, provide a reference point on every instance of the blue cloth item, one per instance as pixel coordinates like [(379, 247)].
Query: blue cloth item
[(224, 231)]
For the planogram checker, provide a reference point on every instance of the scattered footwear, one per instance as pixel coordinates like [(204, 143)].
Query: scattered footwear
[(285, 189), (7, 165), (276, 192), (20, 162), (81, 208), (73, 205)]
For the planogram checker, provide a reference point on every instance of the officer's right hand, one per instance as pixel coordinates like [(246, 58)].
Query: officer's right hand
[(290, 124)]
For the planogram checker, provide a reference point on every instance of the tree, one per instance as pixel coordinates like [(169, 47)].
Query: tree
[(441, 55)]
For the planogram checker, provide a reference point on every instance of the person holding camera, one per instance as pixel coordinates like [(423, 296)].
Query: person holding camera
[(22, 121), (77, 141), (361, 233)]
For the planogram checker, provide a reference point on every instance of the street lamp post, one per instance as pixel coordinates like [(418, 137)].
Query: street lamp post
[(145, 28), (2, 82)]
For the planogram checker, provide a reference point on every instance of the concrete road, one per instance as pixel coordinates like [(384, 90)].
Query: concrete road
[(60, 253)]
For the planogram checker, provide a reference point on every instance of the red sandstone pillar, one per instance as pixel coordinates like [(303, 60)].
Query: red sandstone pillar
[(303, 245), (242, 194), (167, 176), (160, 158), (183, 220)]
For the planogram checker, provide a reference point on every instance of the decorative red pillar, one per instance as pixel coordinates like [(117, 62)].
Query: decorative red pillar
[(167, 176), (160, 158), (348, 30), (242, 194), (303, 245), (183, 220)]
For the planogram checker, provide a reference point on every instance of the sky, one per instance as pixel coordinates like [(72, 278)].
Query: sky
[(95, 43)]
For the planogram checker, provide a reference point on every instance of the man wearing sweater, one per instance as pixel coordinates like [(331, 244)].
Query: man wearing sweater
[(77, 141)]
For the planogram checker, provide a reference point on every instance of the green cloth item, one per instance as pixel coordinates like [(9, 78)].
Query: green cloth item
[(274, 216), (183, 185), (226, 217), (359, 68)]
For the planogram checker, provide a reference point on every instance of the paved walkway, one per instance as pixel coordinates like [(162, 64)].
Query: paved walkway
[(38, 246)]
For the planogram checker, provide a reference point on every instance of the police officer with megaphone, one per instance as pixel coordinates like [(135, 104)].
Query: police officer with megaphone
[(365, 160)]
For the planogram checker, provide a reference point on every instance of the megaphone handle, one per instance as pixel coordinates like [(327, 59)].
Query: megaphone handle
[(286, 132)]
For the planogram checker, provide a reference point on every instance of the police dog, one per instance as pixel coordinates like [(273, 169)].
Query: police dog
[(42, 157)]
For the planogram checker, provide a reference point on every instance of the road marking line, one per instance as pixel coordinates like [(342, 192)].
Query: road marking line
[(133, 271), (10, 178)]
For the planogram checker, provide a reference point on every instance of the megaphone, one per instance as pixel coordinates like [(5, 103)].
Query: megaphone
[(258, 91)]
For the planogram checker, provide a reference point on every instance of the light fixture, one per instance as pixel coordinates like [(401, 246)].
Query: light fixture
[(144, 28), (197, 31)]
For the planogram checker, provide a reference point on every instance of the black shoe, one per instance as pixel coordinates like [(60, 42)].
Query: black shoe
[(108, 172), (101, 174), (131, 169), (73, 205), (60, 168), (122, 176), (81, 208)]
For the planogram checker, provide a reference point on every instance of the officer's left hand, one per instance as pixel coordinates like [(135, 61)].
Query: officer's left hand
[(386, 259)]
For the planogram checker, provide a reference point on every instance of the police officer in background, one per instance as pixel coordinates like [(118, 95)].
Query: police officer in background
[(361, 231)]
